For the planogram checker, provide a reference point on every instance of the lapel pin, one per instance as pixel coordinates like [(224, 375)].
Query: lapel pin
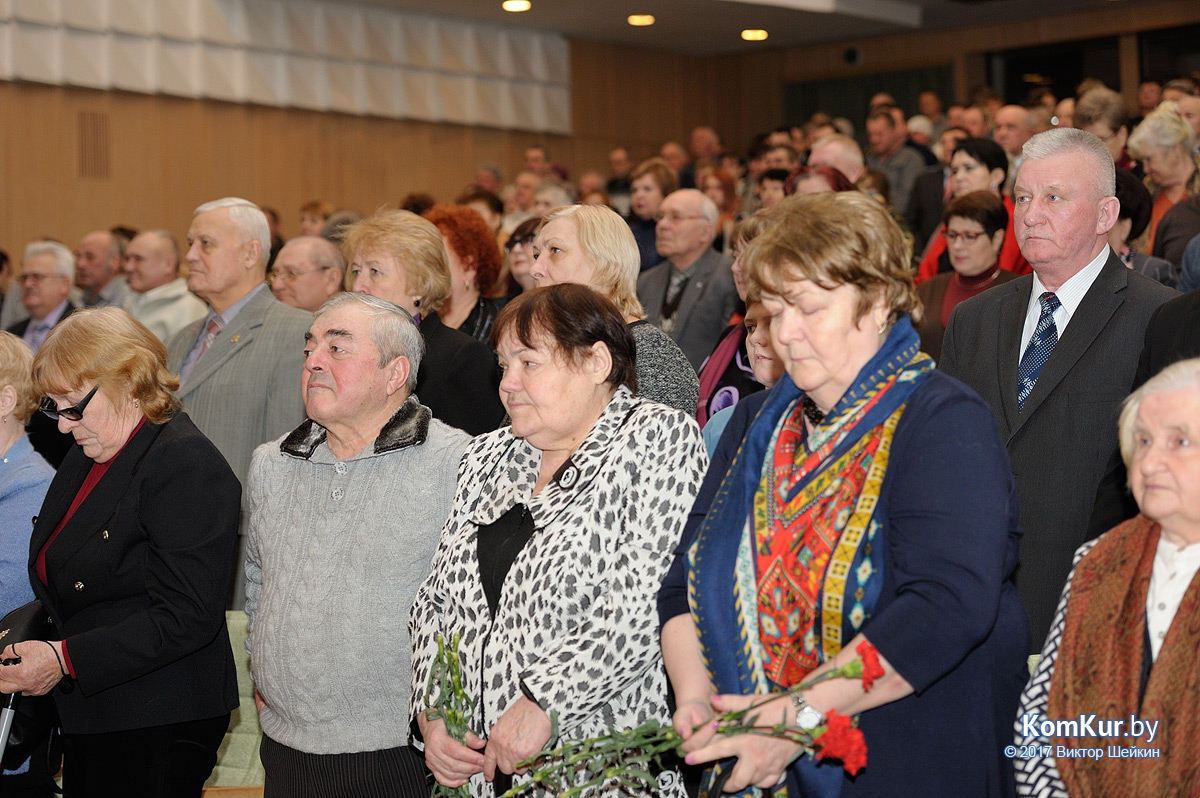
[(235, 339)]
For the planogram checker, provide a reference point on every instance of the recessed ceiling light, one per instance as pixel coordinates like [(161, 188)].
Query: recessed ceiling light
[(754, 35), (516, 5), (640, 20)]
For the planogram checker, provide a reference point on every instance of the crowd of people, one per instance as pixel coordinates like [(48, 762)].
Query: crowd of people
[(652, 447)]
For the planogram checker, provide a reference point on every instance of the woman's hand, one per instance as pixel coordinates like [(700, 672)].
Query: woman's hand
[(452, 762), (522, 731), (693, 720), (761, 761), (39, 670)]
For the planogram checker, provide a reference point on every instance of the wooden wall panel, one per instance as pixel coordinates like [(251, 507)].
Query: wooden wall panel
[(168, 154)]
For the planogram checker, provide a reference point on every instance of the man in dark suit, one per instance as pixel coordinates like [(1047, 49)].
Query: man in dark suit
[(931, 192), (1054, 354), (46, 274), (691, 295), (239, 366), (1173, 334)]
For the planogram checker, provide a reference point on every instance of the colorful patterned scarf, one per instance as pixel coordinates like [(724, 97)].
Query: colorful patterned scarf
[(1099, 670), (788, 564)]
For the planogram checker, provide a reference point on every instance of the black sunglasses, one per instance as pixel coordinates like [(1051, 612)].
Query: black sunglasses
[(70, 413), (512, 243)]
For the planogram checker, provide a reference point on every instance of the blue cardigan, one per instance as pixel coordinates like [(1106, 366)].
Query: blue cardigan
[(948, 617), (24, 477)]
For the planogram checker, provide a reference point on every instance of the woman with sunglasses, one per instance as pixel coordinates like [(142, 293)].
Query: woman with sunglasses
[(132, 555), (519, 251)]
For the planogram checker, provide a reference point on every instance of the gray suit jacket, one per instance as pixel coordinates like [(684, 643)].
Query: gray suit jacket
[(704, 310), (1063, 445), (245, 390)]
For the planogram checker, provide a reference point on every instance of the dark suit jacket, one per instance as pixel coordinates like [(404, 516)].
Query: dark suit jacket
[(42, 430), (1172, 334), (459, 379), (925, 206), (138, 579), (1063, 446), (704, 309)]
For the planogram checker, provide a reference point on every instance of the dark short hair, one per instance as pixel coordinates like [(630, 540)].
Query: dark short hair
[(482, 195), (986, 152), (574, 317), (1136, 204), (778, 175), (982, 207)]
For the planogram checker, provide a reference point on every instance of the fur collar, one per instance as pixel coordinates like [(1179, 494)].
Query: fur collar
[(408, 426)]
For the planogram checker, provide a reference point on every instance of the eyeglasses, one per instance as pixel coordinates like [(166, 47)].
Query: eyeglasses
[(289, 276), (513, 243), (70, 413), (676, 217), (970, 238), (33, 277)]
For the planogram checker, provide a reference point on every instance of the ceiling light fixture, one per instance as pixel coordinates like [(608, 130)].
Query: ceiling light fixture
[(516, 5), (640, 20), (754, 35)]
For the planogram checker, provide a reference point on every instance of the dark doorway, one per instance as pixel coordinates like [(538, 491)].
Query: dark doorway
[(1013, 74)]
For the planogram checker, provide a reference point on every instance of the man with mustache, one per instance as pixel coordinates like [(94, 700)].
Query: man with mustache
[(1054, 353), (345, 512)]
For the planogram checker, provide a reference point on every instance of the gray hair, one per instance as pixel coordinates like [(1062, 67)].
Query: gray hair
[(165, 235), (1165, 128), (1181, 376), (708, 208), (248, 218), (64, 260), (393, 331), (564, 192), (1067, 140), (322, 252)]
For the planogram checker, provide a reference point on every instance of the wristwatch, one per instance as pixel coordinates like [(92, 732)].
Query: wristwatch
[(807, 716)]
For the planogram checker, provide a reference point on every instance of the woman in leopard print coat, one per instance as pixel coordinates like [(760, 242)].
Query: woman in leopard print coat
[(561, 530)]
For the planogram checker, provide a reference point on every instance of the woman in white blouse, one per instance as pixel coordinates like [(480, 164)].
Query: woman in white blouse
[(1124, 641)]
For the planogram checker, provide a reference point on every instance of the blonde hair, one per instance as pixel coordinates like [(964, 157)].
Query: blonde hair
[(832, 239), (1164, 128), (608, 244), (415, 243), (109, 348), (16, 369)]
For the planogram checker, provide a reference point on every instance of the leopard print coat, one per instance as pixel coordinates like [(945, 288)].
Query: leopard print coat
[(576, 624)]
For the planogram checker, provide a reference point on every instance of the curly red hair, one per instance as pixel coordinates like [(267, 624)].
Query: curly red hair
[(471, 239)]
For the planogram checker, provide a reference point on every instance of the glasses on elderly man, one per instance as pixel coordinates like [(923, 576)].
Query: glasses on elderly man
[(71, 413), (291, 275)]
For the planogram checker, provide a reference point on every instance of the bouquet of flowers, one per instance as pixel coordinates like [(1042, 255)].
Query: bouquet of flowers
[(569, 768)]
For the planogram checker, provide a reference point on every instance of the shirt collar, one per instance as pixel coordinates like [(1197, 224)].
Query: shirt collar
[(1070, 294), (231, 312)]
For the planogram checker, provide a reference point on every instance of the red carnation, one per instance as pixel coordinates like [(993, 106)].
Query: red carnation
[(872, 670), (843, 741)]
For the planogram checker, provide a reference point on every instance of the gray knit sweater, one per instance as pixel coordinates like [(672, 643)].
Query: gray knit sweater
[(337, 550), (663, 371)]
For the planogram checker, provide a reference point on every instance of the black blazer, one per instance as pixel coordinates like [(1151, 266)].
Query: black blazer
[(138, 579), (459, 379), (1173, 334), (1063, 445)]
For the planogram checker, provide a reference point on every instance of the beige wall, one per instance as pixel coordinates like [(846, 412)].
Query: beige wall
[(166, 155)]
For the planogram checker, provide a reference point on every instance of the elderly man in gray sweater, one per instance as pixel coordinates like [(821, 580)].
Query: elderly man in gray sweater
[(345, 513)]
